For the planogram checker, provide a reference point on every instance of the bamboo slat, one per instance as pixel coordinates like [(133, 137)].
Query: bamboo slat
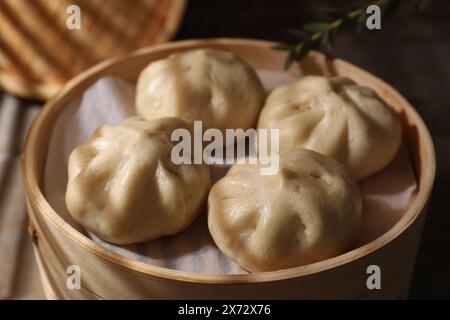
[(38, 53)]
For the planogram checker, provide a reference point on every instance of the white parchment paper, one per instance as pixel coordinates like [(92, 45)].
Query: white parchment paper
[(386, 195)]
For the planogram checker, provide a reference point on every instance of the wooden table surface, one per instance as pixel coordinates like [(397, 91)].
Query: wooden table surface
[(410, 52)]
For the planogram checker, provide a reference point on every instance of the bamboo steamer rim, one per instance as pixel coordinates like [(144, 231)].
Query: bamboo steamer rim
[(33, 190)]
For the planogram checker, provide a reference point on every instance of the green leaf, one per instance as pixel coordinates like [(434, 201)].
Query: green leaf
[(323, 34), (326, 42), (303, 49), (361, 21), (290, 59), (298, 32), (316, 27), (298, 53), (282, 47)]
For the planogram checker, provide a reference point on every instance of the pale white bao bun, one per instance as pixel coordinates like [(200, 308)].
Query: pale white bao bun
[(309, 211), (335, 117), (124, 187), (210, 85)]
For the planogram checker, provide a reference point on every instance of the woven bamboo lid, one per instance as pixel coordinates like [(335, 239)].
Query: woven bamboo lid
[(39, 53)]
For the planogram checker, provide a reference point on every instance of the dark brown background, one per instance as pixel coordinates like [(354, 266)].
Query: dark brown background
[(410, 52)]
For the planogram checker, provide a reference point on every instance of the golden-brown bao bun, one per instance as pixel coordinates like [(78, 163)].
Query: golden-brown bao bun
[(213, 86), (309, 211), (124, 187), (335, 117)]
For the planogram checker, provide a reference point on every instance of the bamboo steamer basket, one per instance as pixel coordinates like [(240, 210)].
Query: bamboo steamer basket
[(39, 53), (108, 275)]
